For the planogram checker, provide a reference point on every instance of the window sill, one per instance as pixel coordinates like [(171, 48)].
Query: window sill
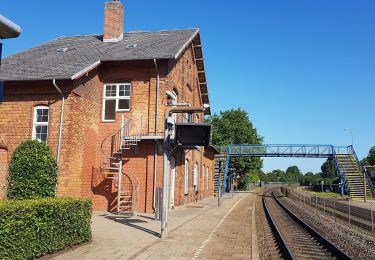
[(108, 121)]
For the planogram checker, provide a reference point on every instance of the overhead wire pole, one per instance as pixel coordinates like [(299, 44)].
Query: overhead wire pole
[(164, 207)]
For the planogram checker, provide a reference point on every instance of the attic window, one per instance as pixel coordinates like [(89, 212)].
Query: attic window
[(131, 46), (63, 49)]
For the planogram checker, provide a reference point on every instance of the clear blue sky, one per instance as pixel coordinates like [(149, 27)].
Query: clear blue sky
[(304, 70)]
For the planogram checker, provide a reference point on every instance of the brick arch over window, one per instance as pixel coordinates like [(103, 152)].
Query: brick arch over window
[(3, 170)]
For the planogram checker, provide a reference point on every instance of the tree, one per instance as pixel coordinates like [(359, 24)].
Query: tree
[(311, 178), (371, 156), (234, 127), (293, 174), (249, 178), (32, 172), (329, 169), (262, 176), (276, 176), (364, 161)]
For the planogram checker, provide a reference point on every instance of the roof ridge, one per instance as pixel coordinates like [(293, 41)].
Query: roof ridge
[(131, 32), (45, 60)]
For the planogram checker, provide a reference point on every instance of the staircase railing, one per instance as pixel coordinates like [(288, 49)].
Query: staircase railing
[(362, 170), (341, 173), (113, 142)]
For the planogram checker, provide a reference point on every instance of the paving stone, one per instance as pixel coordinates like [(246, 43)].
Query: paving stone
[(209, 232)]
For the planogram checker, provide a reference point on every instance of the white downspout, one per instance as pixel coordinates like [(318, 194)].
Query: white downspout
[(61, 123), (156, 133)]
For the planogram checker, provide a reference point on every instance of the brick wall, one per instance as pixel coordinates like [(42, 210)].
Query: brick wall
[(84, 131)]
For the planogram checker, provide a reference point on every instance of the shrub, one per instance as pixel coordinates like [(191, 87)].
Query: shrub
[(32, 228), (32, 172)]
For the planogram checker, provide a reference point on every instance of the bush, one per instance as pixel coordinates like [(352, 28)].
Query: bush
[(32, 228), (32, 172)]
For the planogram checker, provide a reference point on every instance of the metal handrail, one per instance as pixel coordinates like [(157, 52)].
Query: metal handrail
[(340, 172), (115, 139), (281, 150), (363, 170)]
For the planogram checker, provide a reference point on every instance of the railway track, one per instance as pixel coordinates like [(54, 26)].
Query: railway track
[(296, 239)]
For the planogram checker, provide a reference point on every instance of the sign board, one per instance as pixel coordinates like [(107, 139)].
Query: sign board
[(192, 134), (322, 182)]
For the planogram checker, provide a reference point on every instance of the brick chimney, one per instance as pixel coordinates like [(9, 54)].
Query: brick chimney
[(113, 21)]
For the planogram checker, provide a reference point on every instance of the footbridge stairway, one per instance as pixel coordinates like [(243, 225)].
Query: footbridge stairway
[(359, 188), (219, 171), (113, 152), (353, 176)]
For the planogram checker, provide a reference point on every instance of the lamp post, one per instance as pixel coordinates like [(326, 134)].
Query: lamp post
[(164, 206), (8, 29), (351, 133)]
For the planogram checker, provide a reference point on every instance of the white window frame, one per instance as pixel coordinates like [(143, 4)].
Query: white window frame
[(35, 123), (203, 179), (186, 178), (207, 178), (196, 177), (117, 98)]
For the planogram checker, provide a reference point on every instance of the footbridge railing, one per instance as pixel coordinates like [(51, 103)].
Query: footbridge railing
[(281, 150), (290, 150)]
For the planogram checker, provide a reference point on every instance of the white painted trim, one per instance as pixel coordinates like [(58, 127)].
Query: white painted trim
[(210, 236), (196, 177), (207, 178), (172, 186), (186, 177), (116, 98), (203, 177), (186, 44), (35, 123), (85, 70)]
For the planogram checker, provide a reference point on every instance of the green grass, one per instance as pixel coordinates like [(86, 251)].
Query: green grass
[(322, 194)]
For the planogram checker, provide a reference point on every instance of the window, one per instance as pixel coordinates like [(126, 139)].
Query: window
[(196, 177), (116, 98), (207, 178), (203, 179), (40, 123), (186, 177), (185, 118)]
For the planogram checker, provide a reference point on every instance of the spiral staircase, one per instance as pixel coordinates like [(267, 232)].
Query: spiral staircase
[(113, 152)]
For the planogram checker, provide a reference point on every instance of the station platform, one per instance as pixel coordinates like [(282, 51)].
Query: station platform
[(196, 231)]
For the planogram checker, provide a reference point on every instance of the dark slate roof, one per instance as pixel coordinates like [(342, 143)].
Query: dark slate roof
[(45, 62)]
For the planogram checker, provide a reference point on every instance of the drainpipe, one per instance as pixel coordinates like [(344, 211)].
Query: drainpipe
[(61, 119), (156, 132)]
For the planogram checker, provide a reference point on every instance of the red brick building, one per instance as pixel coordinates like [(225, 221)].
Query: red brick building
[(115, 85)]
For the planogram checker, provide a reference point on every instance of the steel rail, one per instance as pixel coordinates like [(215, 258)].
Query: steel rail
[(284, 248), (337, 252)]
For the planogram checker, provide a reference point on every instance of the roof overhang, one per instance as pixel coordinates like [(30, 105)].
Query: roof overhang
[(199, 61), (8, 29), (85, 70)]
